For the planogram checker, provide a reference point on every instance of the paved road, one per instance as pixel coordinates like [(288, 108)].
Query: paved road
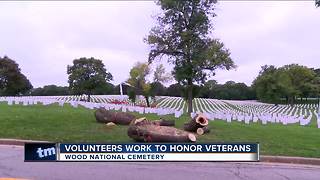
[(12, 165)]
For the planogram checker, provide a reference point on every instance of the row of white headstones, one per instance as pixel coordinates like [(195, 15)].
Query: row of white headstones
[(241, 111), (255, 111), (249, 111), (108, 98), (32, 100)]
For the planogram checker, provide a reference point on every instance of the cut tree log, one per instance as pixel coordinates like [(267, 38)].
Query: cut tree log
[(161, 122), (203, 130), (104, 116), (146, 131), (199, 121), (164, 122), (155, 133), (206, 129), (140, 121)]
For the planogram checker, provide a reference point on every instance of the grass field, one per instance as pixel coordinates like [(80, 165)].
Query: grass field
[(67, 124)]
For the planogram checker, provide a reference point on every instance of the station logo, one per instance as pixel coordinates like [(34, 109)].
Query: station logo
[(40, 152)]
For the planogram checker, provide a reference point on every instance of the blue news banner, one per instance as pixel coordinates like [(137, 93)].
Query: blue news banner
[(142, 152)]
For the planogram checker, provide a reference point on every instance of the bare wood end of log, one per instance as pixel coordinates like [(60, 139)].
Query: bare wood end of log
[(202, 120), (110, 124), (200, 131), (192, 137)]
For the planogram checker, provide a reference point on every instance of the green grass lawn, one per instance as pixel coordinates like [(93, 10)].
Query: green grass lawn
[(67, 124)]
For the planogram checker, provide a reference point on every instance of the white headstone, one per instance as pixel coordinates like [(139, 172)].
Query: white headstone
[(229, 117), (61, 103), (75, 104), (177, 114), (247, 119), (124, 109), (193, 115)]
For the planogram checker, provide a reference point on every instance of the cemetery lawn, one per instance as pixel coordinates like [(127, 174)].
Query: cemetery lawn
[(67, 124)]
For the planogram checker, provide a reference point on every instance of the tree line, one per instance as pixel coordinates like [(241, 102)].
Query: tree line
[(89, 76)]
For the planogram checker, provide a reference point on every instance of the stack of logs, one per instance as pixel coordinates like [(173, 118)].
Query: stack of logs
[(162, 130), (198, 124)]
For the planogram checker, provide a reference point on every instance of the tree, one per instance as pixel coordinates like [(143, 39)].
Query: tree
[(289, 81), (12, 81), (104, 89), (301, 79), (236, 91), (175, 90), (157, 89), (50, 90), (230, 90), (182, 35), (160, 75), (137, 80), (207, 90), (86, 75), (266, 84), (317, 3), (132, 95), (316, 71), (316, 89), (316, 82)]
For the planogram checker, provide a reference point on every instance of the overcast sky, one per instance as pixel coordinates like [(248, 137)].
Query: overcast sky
[(45, 37)]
